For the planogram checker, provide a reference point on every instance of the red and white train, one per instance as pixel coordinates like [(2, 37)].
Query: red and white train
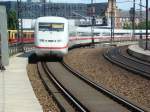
[(51, 36)]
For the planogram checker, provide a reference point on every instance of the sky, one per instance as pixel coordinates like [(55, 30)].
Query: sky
[(121, 4)]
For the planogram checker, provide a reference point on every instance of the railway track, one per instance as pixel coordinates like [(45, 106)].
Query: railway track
[(115, 56), (82, 94), (124, 52)]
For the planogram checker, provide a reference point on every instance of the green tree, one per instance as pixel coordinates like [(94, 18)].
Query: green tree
[(12, 20), (142, 25), (127, 26)]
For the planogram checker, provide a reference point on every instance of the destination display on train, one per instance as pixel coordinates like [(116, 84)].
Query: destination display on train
[(58, 25), (51, 26)]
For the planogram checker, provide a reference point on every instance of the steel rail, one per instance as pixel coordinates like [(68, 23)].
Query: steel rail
[(131, 106), (115, 97), (74, 101), (133, 58), (116, 57), (124, 65), (63, 104), (83, 100)]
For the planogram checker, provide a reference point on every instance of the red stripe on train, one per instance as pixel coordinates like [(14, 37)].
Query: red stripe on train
[(51, 47)]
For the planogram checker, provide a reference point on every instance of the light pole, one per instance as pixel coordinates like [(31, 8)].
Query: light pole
[(44, 7), (133, 20), (92, 21), (18, 19), (19, 24), (141, 18), (146, 44), (112, 20)]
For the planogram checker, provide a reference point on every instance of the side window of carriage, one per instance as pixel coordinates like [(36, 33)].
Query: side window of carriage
[(24, 35), (16, 35), (32, 35), (9, 36)]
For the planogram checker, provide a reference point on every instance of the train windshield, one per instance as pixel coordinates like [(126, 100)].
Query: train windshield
[(51, 26)]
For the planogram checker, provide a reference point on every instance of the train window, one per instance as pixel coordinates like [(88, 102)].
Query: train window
[(106, 34), (12, 35), (51, 26), (24, 35), (84, 34), (9, 34), (72, 34), (29, 35), (32, 35), (15, 35)]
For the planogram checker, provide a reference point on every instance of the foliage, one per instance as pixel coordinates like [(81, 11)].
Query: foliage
[(12, 20), (127, 26), (141, 25)]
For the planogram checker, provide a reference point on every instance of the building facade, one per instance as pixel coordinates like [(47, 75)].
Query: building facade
[(100, 11), (36, 9)]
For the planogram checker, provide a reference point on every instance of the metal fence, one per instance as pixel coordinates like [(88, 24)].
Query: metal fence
[(16, 48)]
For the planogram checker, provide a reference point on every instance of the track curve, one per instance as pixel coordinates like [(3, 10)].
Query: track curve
[(115, 56), (86, 94)]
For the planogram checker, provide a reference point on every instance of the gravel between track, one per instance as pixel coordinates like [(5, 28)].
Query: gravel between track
[(42, 95), (92, 63)]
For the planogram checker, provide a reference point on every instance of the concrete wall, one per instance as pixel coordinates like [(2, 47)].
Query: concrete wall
[(142, 44), (4, 37), (139, 53)]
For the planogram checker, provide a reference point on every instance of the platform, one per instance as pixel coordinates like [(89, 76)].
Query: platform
[(139, 52), (16, 93)]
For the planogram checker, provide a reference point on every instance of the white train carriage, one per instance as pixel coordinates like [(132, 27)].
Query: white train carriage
[(51, 36)]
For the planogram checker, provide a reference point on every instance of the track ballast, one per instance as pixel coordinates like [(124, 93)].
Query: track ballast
[(84, 94)]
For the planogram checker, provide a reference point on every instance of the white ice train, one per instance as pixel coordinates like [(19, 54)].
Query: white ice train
[(107, 32), (51, 36)]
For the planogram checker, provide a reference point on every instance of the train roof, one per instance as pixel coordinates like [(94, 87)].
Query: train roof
[(51, 19)]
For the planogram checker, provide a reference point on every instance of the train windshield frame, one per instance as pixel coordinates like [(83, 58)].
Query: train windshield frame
[(51, 27)]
